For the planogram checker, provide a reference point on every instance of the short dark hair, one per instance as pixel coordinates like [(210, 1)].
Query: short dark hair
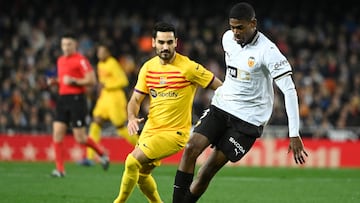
[(108, 48), (163, 27), (242, 11), (70, 35), (105, 45)]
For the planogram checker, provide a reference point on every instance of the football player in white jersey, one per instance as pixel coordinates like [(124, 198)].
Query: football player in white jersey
[(241, 107)]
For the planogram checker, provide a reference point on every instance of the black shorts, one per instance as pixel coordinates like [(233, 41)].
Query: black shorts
[(233, 136), (72, 110)]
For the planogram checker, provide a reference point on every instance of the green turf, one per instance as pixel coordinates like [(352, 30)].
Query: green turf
[(30, 183)]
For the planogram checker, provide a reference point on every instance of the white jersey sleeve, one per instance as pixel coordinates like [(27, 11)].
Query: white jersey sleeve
[(287, 87), (276, 62)]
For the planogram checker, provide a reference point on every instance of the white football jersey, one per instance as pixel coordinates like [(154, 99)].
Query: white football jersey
[(247, 91)]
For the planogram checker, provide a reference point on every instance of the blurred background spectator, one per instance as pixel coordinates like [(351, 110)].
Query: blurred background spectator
[(321, 41)]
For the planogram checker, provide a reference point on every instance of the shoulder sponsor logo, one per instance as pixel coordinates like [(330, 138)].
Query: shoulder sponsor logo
[(280, 63)]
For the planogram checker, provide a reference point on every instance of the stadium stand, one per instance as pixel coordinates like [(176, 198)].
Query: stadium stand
[(323, 49)]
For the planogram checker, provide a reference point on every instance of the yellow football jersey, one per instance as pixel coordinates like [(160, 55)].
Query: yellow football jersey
[(171, 89), (111, 74), (112, 101)]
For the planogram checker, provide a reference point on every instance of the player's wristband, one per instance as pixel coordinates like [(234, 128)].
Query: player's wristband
[(73, 82)]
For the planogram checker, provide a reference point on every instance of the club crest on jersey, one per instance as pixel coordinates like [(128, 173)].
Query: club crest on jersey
[(251, 61), (162, 80)]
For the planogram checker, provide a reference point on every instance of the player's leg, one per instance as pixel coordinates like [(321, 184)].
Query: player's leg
[(149, 151), (118, 117), (162, 145), (212, 124), (59, 130), (206, 172), (147, 183), (130, 176), (233, 145), (78, 115), (185, 173), (82, 138), (99, 115), (94, 134)]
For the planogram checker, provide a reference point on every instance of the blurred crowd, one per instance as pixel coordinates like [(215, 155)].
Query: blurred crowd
[(321, 42)]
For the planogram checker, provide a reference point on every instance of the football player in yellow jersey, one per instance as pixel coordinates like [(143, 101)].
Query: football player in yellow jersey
[(170, 79), (111, 104)]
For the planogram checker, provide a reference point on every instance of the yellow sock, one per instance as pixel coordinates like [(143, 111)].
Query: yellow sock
[(129, 178), (148, 186), (123, 132), (95, 134)]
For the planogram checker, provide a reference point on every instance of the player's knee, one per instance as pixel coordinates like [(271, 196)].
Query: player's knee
[(191, 150), (131, 163), (142, 178), (81, 139), (147, 168), (98, 121), (196, 145)]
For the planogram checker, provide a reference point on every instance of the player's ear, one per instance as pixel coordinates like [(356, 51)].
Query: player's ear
[(253, 22), (176, 41), (153, 42)]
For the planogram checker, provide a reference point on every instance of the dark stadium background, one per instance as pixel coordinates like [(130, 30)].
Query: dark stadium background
[(321, 40)]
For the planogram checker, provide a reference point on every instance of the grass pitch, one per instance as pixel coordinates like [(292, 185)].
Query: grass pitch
[(30, 183)]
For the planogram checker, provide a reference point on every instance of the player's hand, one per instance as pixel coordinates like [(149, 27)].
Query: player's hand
[(297, 147), (51, 81), (133, 125), (100, 87), (69, 80)]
